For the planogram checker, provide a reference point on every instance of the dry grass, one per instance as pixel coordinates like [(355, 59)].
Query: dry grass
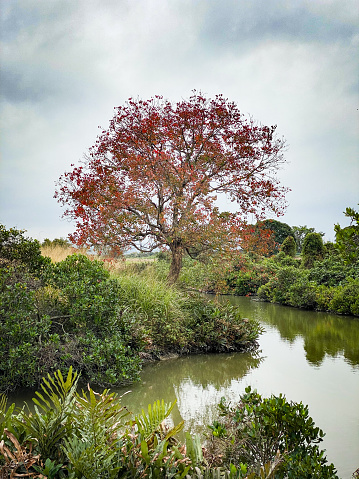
[(59, 253)]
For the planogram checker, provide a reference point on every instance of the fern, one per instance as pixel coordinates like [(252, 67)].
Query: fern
[(150, 422), (94, 451), (51, 425), (5, 414)]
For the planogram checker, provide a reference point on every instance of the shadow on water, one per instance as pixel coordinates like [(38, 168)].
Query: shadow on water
[(324, 334)]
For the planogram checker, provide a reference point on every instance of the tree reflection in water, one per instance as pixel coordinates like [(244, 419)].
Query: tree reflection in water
[(323, 333)]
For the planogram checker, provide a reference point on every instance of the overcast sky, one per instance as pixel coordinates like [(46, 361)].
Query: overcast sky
[(65, 65)]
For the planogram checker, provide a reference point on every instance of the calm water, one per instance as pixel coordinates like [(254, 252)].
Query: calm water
[(310, 357)]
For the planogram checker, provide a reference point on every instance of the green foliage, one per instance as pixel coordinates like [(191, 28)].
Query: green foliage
[(15, 247), (50, 469), (158, 308), (282, 259), (73, 317), (6, 414), (303, 293), (300, 232), (259, 430), (52, 424), (313, 249), (75, 314), (345, 299), (97, 437), (93, 447), (217, 327), (332, 271), (347, 239), (278, 288), (61, 242), (289, 246), (149, 423), (21, 329), (281, 231)]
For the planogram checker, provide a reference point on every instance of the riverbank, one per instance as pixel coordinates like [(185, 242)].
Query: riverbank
[(104, 322), (329, 284)]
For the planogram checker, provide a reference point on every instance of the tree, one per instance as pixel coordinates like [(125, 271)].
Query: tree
[(347, 239), (152, 178), (15, 247), (280, 232), (300, 232), (257, 239), (288, 246), (313, 249)]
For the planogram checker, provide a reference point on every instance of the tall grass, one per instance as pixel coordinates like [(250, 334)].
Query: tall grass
[(59, 253), (159, 305)]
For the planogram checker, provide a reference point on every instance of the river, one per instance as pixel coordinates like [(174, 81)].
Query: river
[(308, 356)]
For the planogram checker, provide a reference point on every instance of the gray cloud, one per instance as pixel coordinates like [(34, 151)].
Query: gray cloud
[(65, 65), (281, 20)]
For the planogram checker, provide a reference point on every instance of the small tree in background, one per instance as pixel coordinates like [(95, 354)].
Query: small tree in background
[(60, 242), (257, 239), (152, 179), (313, 249), (15, 247), (300, 232), (347, 239), (289, 246), (280, 232)]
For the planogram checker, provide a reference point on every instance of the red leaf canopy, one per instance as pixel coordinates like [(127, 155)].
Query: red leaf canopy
[(152, 178)]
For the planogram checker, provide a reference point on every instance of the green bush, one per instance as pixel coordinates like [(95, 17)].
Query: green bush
[(218, 327), (282, 259), (15, 247), (289, 246), (345, 299), (332, 271), (313, 249), (324, 295), (258, 431), (21, 329), (88, 434), (158, 307), (277, 289), (303, 294)]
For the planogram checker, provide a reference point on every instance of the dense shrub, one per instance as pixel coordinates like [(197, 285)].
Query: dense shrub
[(278, 288), (14, 247), (70, 317), (258, 431), (332, 271), (313, 249), (74, 313), (218, 327), (22, 330), (303, 294), (345, 298), (289, 246)]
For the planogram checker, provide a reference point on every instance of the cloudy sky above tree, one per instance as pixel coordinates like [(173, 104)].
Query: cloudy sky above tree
[(66, 64)]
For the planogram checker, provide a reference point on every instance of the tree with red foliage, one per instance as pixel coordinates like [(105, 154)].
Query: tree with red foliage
[(152, 178), (257, 239)]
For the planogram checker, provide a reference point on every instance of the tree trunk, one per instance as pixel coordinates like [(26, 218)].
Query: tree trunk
[(176, 262)]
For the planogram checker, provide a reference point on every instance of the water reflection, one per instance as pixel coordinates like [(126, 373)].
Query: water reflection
[(197, 382), (323, 333)]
